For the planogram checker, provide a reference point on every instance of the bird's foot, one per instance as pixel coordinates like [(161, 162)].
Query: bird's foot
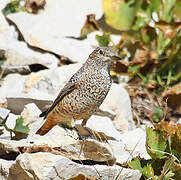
[(80, 136), (83, 132)]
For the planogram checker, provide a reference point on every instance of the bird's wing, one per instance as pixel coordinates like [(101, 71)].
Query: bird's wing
[(69, 87)]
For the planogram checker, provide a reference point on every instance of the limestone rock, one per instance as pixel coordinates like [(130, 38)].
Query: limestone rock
[(60, 14), (30, 115), (48, 166), (18, 53), (97, 123), (118, 101), (136, 139), (10, 123), (5, 169), (3, 113), (22, 101)]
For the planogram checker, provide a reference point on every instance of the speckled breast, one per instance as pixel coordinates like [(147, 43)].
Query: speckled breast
[(88, 96)]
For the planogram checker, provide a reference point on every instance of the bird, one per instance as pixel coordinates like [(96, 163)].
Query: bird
[(82, 95)]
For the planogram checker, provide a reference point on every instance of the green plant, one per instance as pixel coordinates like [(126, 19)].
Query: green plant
[(19, 130), (13, 7), (150, 31), (163, 145)]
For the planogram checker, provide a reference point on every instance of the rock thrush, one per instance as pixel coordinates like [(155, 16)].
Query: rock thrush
[(83, 93)]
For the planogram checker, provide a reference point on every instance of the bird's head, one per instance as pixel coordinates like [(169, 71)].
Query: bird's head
[(104, 55)]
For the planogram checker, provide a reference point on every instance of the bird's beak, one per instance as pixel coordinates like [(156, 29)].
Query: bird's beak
[(115, 58)]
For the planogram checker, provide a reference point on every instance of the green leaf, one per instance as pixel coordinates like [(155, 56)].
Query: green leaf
[(120, 14), (19, 127), (177, 11), (142, 19), (155, 5), (135, 164), (166, 173), (103, 40), (134, 68), (148, 171), (19, 130), (1, 63), (166, 14), (156, 143), (156, 118), (158, 114), (13, 7)]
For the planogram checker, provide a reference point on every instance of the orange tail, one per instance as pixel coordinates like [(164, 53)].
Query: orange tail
[(47, 126)]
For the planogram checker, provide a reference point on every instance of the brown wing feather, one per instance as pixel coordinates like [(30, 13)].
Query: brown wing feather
[(69, 87)]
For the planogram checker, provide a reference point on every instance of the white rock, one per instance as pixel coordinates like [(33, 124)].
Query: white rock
[(56, 137), (132, 142), (10, 123), (115, 38), (5, 168), (34, 166), (7, 33), (11, 145), (49, 82), (103, 124), (3, 113), (48, 166), (22, 101), (90, 149), (58, 20), (106, 172), (118, 101), (6, 85), (11, 120), (30, 114), (18, 53), (135, 141), (4, 3)]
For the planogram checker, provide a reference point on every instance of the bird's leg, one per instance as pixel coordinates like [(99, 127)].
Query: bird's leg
[(86, 128), (84, 122), (80, 136), (82, 130)]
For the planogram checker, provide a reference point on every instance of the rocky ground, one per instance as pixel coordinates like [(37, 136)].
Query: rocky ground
[(39, 44)]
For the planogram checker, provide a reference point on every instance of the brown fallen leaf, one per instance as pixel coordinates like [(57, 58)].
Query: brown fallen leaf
[(32, 6), (89, 26), (144, 103), (173, 97), (120, 67), (170, 128), (169, 30)]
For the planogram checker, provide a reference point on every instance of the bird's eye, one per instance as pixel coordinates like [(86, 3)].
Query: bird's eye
[(101, 52)]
